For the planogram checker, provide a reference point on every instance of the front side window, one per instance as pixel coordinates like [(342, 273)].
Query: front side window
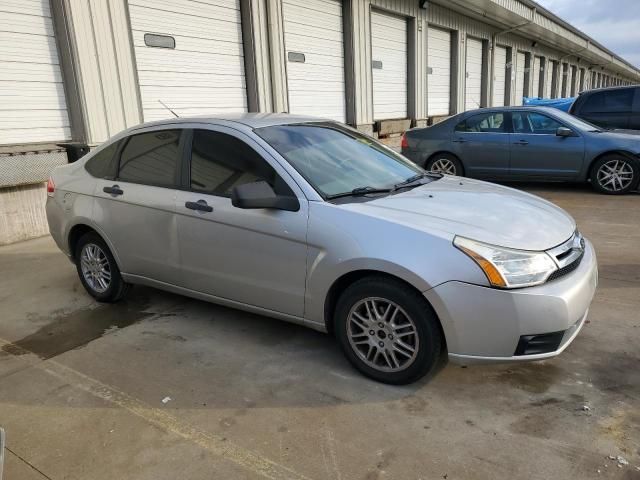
[(151, 158), (484, 122), (104, 164), (534, 123), (336, 160), (220, 162)]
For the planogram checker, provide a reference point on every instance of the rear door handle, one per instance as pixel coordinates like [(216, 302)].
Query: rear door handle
[(114, 190), (521, 142), (459, 140), (200, 205)]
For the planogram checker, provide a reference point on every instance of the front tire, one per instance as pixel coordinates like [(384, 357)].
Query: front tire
[(97, 269), (445, 163), (387, 330), (615, 174)]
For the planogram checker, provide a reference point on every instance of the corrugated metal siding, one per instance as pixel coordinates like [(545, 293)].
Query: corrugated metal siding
[(316, 86), (32, 99), (105, 67), (389, 48), (204, 74)]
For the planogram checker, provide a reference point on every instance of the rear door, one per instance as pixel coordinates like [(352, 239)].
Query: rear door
[(255, 257), (135, 211), (536, 150), (481, 141)]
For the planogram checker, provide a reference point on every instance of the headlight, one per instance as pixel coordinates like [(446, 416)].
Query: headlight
[(506, 267)]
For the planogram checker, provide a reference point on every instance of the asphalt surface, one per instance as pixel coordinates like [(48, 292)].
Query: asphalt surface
[(165, 387)]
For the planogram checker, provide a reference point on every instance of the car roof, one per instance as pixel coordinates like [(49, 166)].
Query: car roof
[(514, 107), (251, 120), (617, 87)]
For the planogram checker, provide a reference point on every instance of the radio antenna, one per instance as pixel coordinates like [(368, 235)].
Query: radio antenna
[(165, 106)]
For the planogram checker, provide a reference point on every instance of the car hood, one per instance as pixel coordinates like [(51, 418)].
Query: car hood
[(478, 210)]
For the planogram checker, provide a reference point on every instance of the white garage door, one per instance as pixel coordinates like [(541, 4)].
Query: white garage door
[(568, 80), (389, 65), (473, 75), (536, 77), (439, 79), (499, 76), (32, 100), (520, 71), (315, 57), (204, 72), (551, 68)]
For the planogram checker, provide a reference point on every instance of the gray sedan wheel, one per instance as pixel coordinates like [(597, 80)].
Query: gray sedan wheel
[(446, 164), (388, 330), (615, 174)]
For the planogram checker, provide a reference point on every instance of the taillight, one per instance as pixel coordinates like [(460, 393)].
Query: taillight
[(51, 187), (404, 143)]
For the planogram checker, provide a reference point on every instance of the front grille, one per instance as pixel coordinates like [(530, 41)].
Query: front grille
[(566, 269), (535, 344)]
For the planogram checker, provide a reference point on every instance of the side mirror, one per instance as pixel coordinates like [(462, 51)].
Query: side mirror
[(261, 195), (565, 132)]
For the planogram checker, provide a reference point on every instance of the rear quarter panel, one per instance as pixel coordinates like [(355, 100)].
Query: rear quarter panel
[(424, 142)]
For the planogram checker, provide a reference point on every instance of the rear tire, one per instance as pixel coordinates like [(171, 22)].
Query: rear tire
[(387, 330), (445, 163), (615, 174), (98, 271)]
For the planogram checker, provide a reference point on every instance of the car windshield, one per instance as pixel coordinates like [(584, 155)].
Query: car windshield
[(577, 122), (337, 160)]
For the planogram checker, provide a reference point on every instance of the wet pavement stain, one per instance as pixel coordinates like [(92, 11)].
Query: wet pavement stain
[(77, 329)]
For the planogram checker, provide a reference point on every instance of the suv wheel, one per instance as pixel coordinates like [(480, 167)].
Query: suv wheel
[(387, 330), (615, 174), (98, 270), (445, 163)]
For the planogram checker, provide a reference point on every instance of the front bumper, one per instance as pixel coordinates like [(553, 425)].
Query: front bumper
[(484, 324)]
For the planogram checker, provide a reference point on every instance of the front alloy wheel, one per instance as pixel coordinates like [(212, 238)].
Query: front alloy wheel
[(615, 175)]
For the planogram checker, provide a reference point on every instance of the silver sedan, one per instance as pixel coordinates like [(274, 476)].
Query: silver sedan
[(312, 222)]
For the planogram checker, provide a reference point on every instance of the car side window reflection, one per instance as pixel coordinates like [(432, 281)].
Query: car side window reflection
[(534, 123), (220, 162), (484, 123)]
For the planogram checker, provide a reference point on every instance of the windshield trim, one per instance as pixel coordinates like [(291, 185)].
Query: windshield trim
[(353, 134)]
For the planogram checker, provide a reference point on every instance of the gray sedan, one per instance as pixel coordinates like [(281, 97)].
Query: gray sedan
[(312, 222), (527, 143)]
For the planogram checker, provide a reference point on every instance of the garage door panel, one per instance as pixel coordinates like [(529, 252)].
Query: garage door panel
[(315, 86), (520, 72), (473, 77), (25, 23), (536, 76), (204, 74), (439, 76), (499, 76)]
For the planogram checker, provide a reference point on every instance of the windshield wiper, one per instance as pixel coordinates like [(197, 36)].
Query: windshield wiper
[(360, 191), (412, 181)]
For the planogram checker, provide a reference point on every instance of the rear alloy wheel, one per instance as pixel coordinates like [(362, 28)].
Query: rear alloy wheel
[(615, 175), (445, 164), (387, 330), (98, 270)]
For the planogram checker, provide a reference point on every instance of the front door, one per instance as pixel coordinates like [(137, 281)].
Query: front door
[(136, 210), (255, 257), (481, 141), (536, 150)]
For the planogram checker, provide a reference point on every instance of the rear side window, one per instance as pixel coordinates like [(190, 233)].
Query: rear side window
[(220, 162), (484, 122), (151, 158), (609, 101), (104, 164)]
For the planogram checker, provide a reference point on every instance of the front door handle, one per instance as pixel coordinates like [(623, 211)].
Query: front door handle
[(521, 142), (114, 190), (459, 140), (200, 205)]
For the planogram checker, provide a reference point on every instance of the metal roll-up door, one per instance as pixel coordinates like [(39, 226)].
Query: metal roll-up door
[(439, 72), (551, 71), (34, 107), (389, 65), (499, 76), (473, 74), (569, 80), (189, 55), (520, 71), (536, 77), (313, 40)]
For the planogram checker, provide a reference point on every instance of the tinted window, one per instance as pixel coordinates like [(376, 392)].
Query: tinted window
[(534, 123), (484, 122), (104, 164), (335, 159), (609, 101), (151, 158), (220, 162)]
